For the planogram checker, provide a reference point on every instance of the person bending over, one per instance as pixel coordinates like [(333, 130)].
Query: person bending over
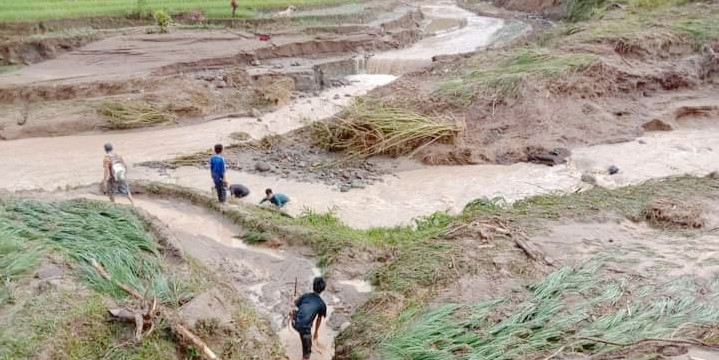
[(308, 307), (278, 200)]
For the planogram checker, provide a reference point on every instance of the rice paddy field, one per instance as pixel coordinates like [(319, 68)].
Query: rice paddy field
[(12, 10)]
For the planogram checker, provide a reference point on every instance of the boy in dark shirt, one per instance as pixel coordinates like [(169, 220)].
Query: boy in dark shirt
[(217, 170), (239, 191), (308, 307)]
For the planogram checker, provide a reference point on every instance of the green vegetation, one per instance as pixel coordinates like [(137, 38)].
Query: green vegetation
[(581, 10), (64, 315), (565, 309), (163, 21), (371, 128), (17, 258), (111, 235), (8, 68), (413, 273), (128, 114), (72, 325), (702, 30), (505, 79), (58, 9)]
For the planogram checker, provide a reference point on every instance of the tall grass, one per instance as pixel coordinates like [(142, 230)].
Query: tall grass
[(568, 304), (11, 10), (504, 80), (113, 236)]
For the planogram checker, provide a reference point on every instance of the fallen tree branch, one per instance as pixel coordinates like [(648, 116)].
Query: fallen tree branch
[(531, 251), (175, 324), (693, 342), (646, 340)]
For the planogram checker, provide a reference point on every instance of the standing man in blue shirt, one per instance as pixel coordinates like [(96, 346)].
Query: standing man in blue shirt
[(217, 170)]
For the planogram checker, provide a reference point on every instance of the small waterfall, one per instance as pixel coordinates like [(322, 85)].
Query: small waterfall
[(360, 64)]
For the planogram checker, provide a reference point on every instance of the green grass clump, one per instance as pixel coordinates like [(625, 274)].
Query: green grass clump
[(113, 236), (702, 30), (505, 79), (73, 325), (629, 201), (57, 9), (565, 307), (8, 68), (581, 10), (17, 258), (371, 128), (163, 21), (129, 114)]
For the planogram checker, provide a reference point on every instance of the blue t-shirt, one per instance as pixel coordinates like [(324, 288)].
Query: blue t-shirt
[(279, 199), (217, 166)]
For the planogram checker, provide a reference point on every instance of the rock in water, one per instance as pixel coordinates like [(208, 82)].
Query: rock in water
[(262, 166), (358, 184), (613, 170)]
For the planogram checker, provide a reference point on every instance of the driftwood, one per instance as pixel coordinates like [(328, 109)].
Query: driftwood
[(487, 229), (531, 250), (691, 342), (152, 311)]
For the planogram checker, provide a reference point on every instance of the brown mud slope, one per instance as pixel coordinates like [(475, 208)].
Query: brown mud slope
[(188, 74), (600, 82)]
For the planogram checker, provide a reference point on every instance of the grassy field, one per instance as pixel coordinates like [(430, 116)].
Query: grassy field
[(11, 10)]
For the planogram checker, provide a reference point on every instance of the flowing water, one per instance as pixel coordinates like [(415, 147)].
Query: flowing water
[(458, 31), (266, 275)]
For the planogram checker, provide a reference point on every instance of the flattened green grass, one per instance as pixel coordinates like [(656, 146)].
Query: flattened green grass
[(504, 80), (17, 258), (564, 309), (85, 230), (11, 10)]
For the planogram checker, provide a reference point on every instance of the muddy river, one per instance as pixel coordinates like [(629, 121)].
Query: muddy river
[(60, 162)]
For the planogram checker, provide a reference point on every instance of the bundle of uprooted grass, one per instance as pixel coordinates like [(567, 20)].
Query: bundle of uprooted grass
[(674, 213), (370, 128), (566, 311), (276, 89), (128, 114)]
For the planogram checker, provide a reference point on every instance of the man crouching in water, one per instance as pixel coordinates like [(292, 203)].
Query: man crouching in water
[(307, 307)]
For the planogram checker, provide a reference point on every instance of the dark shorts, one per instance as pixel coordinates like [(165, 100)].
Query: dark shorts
[(306, 338), (118, 187)]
